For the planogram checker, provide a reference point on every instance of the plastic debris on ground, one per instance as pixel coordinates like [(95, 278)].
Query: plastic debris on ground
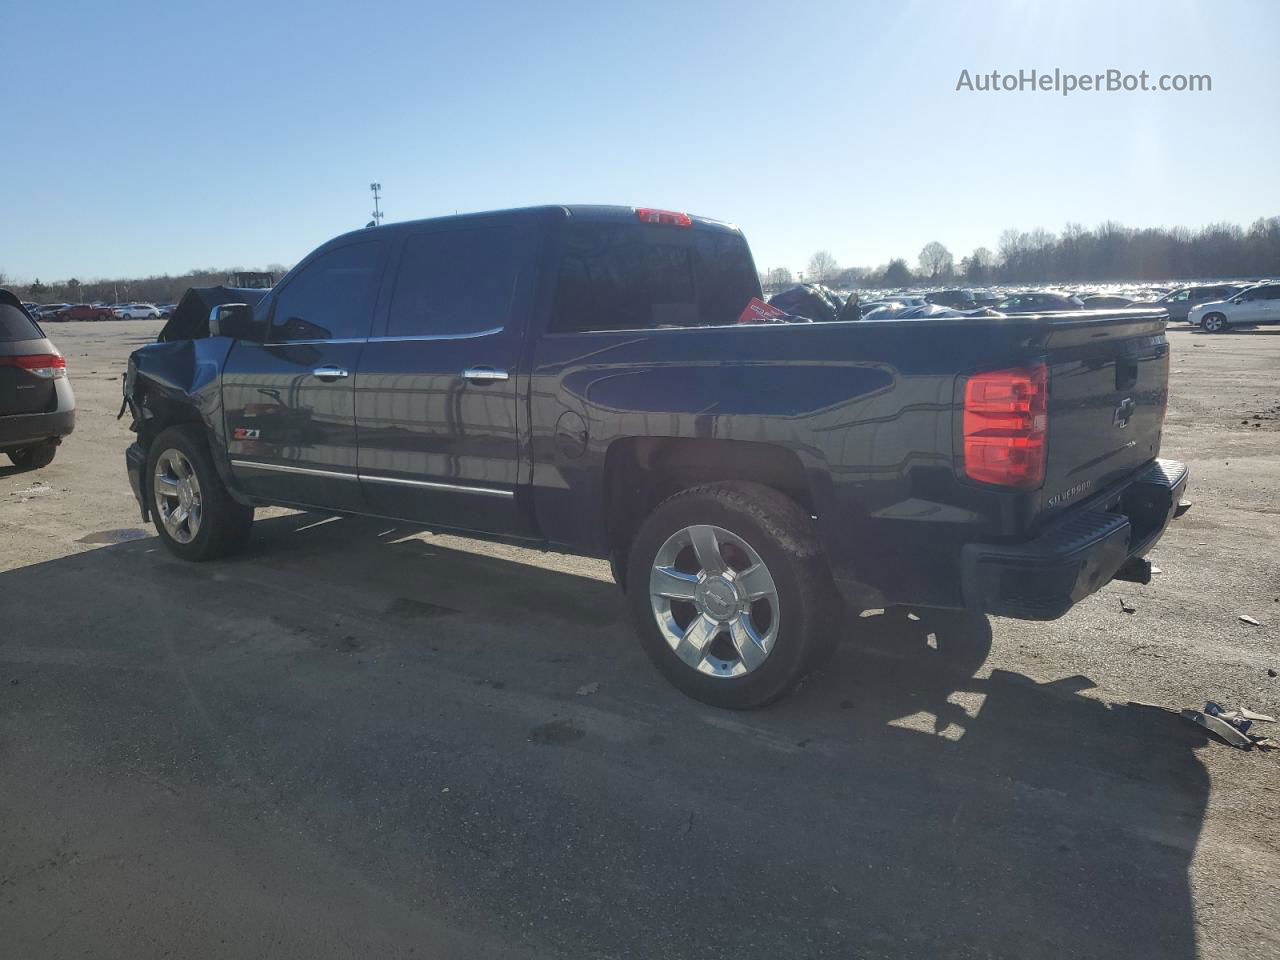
[(1232, 726)]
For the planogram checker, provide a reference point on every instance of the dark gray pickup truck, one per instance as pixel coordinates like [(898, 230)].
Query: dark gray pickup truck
[(578, 378)]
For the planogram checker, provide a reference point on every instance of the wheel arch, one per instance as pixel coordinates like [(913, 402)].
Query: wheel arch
[(642, 472)]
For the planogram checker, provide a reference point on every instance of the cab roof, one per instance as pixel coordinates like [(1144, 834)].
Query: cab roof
[(577, 211)]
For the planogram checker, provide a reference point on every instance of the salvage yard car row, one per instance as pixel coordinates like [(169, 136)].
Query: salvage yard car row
[(1213, 307), (59, 312)]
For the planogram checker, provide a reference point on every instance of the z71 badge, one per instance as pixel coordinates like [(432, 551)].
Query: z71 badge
[(245, 433)]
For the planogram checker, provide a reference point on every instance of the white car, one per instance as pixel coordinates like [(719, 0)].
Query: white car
[(1253, 307), (137, 311)]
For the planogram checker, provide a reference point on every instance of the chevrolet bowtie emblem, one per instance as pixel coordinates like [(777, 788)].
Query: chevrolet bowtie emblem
[(1124, 412)]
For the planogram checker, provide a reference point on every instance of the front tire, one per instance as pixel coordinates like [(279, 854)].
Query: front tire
[(731, 595), (1213, 323), (194, 514), (33, 458)]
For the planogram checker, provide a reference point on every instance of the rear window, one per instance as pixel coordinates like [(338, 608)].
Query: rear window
[(620, 276), (16, 325)]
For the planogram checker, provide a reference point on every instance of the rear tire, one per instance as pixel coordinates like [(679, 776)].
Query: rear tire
[(33, 458), (1213, 323), (193, 512), (747, 633)]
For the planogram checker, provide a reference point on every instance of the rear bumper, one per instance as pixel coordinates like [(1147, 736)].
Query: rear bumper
[(25, 429), (1042, 579)]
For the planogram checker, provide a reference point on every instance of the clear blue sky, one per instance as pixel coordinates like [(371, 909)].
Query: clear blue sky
[(158, 137)]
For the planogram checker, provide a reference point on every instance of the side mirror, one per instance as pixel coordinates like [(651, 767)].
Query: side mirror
[(233, 320)]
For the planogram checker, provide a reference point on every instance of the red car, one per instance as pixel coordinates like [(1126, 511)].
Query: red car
[(84, 311)]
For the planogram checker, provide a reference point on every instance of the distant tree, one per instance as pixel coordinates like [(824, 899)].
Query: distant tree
[(822, 267), (977, 266), (37, 290), (897, 273), (935, 260), (776, 279), (850, 277)]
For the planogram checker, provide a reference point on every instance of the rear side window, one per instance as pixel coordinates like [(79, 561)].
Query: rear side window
[(456, 282), (618, 276), (331, 298), (15, 325)]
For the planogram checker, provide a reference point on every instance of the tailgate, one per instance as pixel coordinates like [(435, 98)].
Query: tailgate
[(1108, 388)]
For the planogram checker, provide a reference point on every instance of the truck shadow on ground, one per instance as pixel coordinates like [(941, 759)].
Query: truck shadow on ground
[(906, 803)]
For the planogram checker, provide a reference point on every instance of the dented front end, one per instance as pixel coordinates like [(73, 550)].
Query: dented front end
[(173, 383)]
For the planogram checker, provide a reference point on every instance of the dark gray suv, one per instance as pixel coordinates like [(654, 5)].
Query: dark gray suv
[(37, 407)]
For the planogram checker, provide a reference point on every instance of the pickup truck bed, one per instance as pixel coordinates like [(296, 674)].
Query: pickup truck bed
[(576, 377)]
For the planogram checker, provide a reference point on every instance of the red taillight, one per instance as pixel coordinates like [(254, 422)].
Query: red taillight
[(48, 365), (670, 217), (1005, 422)]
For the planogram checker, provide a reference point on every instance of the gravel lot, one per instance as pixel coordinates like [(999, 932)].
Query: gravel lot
[(360, 740)]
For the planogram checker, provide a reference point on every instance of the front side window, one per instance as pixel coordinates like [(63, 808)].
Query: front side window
[(331, 298), (1180, 297), (621, 276), (1270, 293), (456, 282)]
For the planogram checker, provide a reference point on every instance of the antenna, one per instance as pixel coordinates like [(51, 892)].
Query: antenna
[(377, 210)]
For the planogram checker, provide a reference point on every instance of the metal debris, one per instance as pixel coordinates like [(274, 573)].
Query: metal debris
[(1220, 728), (1232, 726), (1260, 717), (1245, 618)]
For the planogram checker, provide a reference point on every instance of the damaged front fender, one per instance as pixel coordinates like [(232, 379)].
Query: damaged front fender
[(173, 383)]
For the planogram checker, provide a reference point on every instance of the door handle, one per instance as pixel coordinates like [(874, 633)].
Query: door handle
[(485, 375), (329, 373)]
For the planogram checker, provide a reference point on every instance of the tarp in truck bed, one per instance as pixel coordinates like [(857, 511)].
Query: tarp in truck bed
[(190, 319)]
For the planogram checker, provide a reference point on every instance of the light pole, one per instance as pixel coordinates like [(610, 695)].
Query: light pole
[(377, 210)]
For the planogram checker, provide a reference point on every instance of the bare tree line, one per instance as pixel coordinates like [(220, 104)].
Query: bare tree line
[(1110, 252), (155, 289)]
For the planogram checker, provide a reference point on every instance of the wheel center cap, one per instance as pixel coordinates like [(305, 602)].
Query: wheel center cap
[(718, 598)]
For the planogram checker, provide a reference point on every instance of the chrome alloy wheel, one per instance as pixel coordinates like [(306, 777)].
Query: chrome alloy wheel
[(177, 496), (714, 600)]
